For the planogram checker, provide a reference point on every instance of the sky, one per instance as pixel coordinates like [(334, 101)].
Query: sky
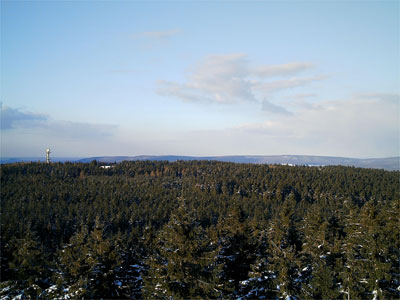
[(95, 78)]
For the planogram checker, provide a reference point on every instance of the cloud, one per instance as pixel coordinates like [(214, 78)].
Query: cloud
[(281, 70), (79, 130), (228, 79), (181, 91), (13, 119), (285, 84), (302, 96), (359, 126), (268, 128), (274, 108), (386, 97)]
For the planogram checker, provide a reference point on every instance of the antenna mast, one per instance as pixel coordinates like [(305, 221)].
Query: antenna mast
[(48, 155)]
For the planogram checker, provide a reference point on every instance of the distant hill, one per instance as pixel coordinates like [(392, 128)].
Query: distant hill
[(390, 163)]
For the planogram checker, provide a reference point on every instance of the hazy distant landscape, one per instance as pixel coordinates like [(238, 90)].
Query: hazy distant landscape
[(390, 163)]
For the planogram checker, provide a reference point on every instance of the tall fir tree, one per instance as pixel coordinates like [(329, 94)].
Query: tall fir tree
[(181, 265), (237, 252), (319, 255), (284, 247), (29, 264), (88, 264), (260, 282)]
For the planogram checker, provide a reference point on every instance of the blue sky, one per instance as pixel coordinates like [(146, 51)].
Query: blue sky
[(200, 78)]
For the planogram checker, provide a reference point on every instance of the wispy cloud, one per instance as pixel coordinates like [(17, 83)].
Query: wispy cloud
[(387, 97), (13, 118), (228, 79), (348, 127), (282, 70), (274, 108), (285, 84), (41, 124)]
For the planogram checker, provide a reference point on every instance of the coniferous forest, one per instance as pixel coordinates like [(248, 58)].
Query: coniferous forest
[(198, 230)]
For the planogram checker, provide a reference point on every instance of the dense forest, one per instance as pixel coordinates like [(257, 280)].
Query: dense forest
[(198, 230)]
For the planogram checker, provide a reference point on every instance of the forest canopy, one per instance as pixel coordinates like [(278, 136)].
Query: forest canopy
[(198, 230)]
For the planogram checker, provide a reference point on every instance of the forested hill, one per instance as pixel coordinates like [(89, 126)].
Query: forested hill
[(198, 230), (389, 163)]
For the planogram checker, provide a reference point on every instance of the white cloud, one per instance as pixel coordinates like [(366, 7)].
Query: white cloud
[(228, 79), (274, 108), (285, 84), (13, 118), (394, 98), (281, 70), (359, 127), (16, 120), (354, 127)]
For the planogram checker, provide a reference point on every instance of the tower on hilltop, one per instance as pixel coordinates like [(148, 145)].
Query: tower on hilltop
[(48, 155)]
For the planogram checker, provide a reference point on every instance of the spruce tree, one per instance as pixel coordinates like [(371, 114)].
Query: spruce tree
[(284, 247), (260, 283), (237, 253), (88, 264), (319, 255), (351, 265), (103, 260), (73, 266), (181, 266), (29, 264)]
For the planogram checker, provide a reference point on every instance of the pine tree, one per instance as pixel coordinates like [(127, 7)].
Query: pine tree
[(350, 265), (88, 264), (319, 255), (181, 267), (103, 260), (29, 263), (73, 267), (284, 247), (372, 249), (236, 254), (260, 283), (390, 241)]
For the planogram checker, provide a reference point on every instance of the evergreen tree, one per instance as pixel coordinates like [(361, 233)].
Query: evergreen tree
[(260, 283), (88, 264), (181, 266), (73, 267), (103, 260), (351, 264), (319, 255), (330, 232), (29, 262), (373, 251), (284, 247), (236, 254)]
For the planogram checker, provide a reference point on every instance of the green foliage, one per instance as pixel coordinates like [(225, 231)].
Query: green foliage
[(198, 229), (181, 266), (88, 263), (237, 252), (28, 262)]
